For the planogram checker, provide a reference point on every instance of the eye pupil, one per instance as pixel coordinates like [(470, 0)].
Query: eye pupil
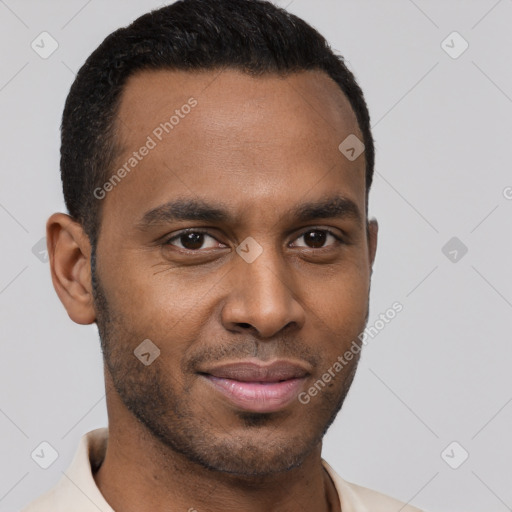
[(192, 240), (315, 238)]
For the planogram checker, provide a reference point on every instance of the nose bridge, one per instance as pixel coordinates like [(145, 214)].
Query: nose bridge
[(263, 279), (261, 294)]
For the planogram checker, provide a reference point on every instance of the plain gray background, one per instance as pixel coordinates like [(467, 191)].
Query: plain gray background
[(438, 373)]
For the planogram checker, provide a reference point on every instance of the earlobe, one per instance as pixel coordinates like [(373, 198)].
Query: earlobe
[(373, 229), (69, 252)]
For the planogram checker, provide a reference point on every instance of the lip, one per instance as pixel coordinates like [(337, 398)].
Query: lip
[(257, 387)]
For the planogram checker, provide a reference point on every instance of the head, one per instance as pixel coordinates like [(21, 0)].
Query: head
[(212, 212)]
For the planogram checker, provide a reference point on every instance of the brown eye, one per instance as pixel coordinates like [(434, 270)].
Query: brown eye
[(193, 240), (315, 238), (318, 239)]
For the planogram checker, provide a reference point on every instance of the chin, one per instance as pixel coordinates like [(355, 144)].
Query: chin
[(252, 454)]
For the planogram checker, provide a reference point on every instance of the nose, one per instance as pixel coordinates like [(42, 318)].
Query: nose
[(262, 298)]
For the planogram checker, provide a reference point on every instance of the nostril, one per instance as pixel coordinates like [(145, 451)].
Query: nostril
[(244, 325)]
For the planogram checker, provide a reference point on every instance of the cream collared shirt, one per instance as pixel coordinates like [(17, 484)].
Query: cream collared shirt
[(76, 491)]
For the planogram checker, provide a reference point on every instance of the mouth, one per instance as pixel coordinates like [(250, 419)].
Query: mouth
[(252, 386)]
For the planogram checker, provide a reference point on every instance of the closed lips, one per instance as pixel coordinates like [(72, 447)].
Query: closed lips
[(255, 387)]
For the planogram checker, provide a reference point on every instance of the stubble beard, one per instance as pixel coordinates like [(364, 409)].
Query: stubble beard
[(188, 429)]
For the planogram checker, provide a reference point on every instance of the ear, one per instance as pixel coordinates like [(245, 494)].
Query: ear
[(69, 252), (373, 229)]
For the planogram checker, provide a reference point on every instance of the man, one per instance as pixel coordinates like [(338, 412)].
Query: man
[(216, 162)]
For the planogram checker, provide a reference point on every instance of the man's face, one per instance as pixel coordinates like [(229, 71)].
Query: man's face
[(253, 157)]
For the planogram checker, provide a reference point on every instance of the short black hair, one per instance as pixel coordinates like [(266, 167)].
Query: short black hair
[(253, 36)]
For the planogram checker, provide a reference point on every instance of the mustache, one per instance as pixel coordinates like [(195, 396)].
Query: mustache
[(244, 348)]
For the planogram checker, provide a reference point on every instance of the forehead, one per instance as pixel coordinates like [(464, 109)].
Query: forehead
[(230, 99), (230, 133)]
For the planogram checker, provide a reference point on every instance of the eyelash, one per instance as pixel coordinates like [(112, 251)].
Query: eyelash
[(168, 241)]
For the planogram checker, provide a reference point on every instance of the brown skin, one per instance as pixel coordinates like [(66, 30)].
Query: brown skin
[(259, 146)]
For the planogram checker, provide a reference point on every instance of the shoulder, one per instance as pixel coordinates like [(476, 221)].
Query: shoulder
[(76, 490), (377, 502), (356, 498), (51, 500)]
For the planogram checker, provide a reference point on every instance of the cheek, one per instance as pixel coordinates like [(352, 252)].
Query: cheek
[(150, 299), (340, 297), (337, 315), (163, 307), (148, 287)]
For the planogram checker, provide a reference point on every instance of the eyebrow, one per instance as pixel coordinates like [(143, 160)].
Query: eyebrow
[(333, 207), (199, 210)]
